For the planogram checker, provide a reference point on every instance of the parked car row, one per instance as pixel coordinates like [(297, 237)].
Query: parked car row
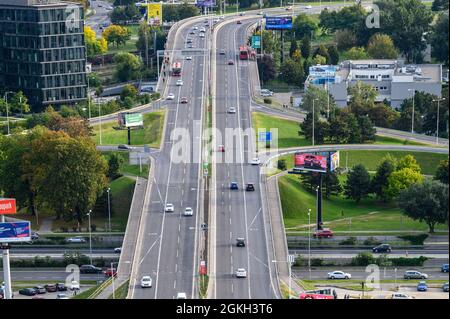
[(58, 287)]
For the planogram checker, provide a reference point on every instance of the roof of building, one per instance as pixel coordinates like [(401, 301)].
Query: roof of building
[(36, 3)]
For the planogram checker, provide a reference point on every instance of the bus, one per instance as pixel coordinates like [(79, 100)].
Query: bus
[(243, 52), (176, 69), (317, 294)]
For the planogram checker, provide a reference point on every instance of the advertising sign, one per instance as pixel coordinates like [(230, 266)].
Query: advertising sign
[(154, 14), (278, 23), (205, 3), (256, 41), (334, 161), (311, 162), (7, 206), (15, 232), (134, 119)]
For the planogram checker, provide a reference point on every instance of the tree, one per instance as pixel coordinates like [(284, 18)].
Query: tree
[(383, 115), (410, 162), (331, 184), (73, 125), (439, 5), (304, 25), (362, 98), (186, 10), (320, 60), (366, 128), (320, 128), (442, 172), (128, 90), (292, 72), (266, 66), (293, 47), (94, 46), (439, 38), (345, 39), (357, 185), (380, 180), (381, 46), (322, 51), (19, 103), (339, 131), (334, 55), (116, 34), (426, 202), (305, 47), (124, 14), (356, 53), (127, 66), (321, 99), (400, 180), (115, 163)]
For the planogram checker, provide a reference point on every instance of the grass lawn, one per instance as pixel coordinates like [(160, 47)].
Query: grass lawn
[(121, 292), (367, 215), (122, 190), (151, 134), (385, 140), (128, 169)]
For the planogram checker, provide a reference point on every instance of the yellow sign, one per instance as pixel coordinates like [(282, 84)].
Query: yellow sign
[(154, 13)]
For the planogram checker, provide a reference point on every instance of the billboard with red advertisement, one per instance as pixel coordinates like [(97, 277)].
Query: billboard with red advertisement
[(7, 206), (311, 162)]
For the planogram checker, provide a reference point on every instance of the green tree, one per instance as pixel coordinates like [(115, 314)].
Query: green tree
[(381, 46), (304, 25), (19, 103), (334, 55), (439, 38), (292, 72), (439, 5), (320, 60), (367, 129), (442, 172), (339, 131), (356, 53), (148, 33), (116, 34), (380, 180), (383, 116), (322, 101), (357, 185), (305, 47), (426, 202), (322, 51), (293, 47), (320, 128), (267, 69), (410, 162), (345, 39), (115, 163), (130, 91), (400, 180), (127, 66), (362, 98)]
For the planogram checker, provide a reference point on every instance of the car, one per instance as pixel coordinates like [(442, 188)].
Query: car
[(188, 211), (181, 295), (231, 110), (183, 100), (192, 32), (40, 289), (422, 286), (383, 248), (62, 296), (179, 82), (250, 187), (188, 40), (195, 27), (234, 185), (255, 161), (147, 89), (222, 52), (51, 288), (216, 20), (28, 292), (118, 250), (77, 239), (230, 62), (240, 242), (146, 282), (169, 208), (311, 161), (444, 268), (339, 275), (34, 236), (414, 274), (261, 13), (238, 22), (202, 29), (201, 34), (266, 93), (90, 269), (289, 8), (399, 295), (74, 285), (242, 13), (221, 148), (445, 287), (308, 7), (171, 96), (124, 147), (110, 272), (241, 273), (190, 46), (188, 58), (326, 233), (61, 287)]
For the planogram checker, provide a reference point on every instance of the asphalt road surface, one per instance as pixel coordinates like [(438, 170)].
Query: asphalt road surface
[(101, 16)]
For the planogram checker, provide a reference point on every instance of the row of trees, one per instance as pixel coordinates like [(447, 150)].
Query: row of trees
[(17, 103)]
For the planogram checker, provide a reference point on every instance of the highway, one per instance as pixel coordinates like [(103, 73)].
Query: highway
[(46, 275), (101, 16), (167, 242)]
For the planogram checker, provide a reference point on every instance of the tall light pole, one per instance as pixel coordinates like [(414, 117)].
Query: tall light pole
[(313, 120), (412, 117), (6, 106), (109, 211), (309, 242), (90, 235), (437, 119), (100, 118)]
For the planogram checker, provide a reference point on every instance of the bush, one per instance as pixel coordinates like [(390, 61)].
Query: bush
[(348, 241), (155, 96), (363, 259), (299, 261), (414, 239), (281, 165), (404, 261), (371, 241), (317, 262), (267, 100)]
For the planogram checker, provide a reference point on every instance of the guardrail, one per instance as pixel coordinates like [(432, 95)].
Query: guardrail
[(100, 288)]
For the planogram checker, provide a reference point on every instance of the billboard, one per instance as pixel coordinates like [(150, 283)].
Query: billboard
[(334, 161), (7, 206), (205, 3), (15, 232), (154, 14), (311, 162), (133, 119), (278, 23)]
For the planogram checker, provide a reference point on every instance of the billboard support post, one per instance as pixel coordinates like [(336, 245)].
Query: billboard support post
[(6, 268), (129, 135), (319, 203)]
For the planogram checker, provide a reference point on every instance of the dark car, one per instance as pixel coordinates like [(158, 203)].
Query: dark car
[(51, 288), (250, 187), (383, 248), (34, 236), (311, 161), (40, 289), (230, 62), (240, 242), (184, 100), (327, 233), (422, 286), (28, 291), (444, 268), (238, 22), (90, 269), (445, 287), (61, 287), (124, 147), (234, 185)]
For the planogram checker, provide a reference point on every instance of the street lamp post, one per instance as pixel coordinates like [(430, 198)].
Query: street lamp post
[(412, 117), (109, 211), (309, 242), (437, 119), (6, 106), (100, 118), (90, 235), (313, 120)]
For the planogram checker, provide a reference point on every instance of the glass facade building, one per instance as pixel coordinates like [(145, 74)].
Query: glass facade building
[(42, 51)]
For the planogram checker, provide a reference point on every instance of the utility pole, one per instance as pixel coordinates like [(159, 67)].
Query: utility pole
[(437, 118), (412, 117)]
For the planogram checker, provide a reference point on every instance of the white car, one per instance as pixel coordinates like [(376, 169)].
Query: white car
[(181, 295), (74, 285), (242, 13), (241, 273), (289, 8), (255, 161), (188, 211), (201, 34), (62, 296), (308, 7), (399, 295), (202, 30), (171, 96), (188, 57), (169, 208), (146, 282), (266, 92), (195, 27), (77, 239), (179, 82), (231, 110), (339, 275)]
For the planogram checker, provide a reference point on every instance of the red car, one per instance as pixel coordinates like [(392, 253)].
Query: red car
[(221, 148), (312, 161), (184, 100), (239, 22), (110, 272), (323, 233), (230, 62)]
